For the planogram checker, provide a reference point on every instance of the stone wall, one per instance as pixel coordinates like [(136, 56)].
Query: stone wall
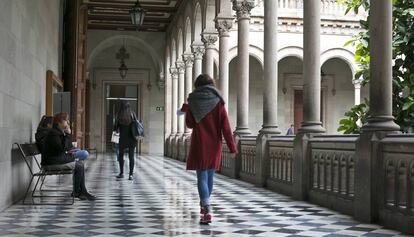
[(29, 46)]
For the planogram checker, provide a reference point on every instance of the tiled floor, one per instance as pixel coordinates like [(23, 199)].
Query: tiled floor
[(163, 201)]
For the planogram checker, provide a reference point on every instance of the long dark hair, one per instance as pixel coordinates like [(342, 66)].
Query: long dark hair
[(45, 122), (124, 113)]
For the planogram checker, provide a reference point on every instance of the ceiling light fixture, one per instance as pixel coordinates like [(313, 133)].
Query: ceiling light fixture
[(137, 15)]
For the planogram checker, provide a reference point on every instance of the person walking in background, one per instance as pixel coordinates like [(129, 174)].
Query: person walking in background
[(206, 115), (123, 125), (291, 130)]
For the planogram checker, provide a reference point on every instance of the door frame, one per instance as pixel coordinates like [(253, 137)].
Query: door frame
[(294, 81), (104, 110), (100, 78)]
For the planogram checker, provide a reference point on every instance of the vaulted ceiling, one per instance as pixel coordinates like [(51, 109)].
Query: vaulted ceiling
[(114, 14)]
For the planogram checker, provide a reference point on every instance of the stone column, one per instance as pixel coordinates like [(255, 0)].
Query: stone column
[(380, 122), (223, 25), (181, 69), (380, 85), (174, 77), (243, 8), (311, 68), (188, 61), (198, 50), (209, 39), (270, 68), (357, 97)]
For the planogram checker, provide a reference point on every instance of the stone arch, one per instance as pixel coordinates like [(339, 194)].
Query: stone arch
[(173, 53), (180, 44), (254, 51), (187, 35), (197, 23), (294, 51), (167, 62), (137, 42), (340, 53), (209, 15)]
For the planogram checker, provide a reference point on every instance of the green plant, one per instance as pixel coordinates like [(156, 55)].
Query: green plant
[(403, 68)]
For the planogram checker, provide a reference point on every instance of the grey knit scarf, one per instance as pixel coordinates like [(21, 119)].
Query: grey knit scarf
[(203, 100)]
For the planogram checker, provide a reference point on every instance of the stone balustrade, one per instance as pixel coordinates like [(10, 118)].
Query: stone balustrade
[(332, 171), (248, 159), (329, 169), (396, 181)]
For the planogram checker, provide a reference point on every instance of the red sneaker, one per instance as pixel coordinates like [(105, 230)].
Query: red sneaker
[(205, 219)]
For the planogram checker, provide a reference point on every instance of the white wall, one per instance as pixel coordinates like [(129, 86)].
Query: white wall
[(29, 46), (104, 63)]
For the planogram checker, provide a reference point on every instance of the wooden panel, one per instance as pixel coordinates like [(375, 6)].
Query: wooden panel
[(51, 81), (298, 109)]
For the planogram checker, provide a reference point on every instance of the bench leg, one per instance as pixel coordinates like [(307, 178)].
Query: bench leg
[(35, 187), (43, 181), (27, 190)]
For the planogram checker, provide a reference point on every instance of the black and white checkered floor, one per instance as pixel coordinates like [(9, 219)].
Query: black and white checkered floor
[(163, 201)]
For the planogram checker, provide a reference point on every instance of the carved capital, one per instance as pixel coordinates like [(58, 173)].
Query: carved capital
[(243, 8), (174, 73), (209, 39), (188, 59), (161, 84), (223, 25), (198, 51), (180, 66)]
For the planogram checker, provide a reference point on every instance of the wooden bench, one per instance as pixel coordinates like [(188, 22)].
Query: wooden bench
[(30, 153)]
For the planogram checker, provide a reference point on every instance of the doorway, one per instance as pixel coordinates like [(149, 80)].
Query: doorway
[(115, 94), (298, 109)]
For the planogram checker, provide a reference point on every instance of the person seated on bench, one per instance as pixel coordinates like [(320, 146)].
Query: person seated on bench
[(45, 125), (56, 155)]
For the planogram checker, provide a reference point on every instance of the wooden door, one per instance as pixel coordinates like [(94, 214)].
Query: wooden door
[(74, 65), (298, 109)]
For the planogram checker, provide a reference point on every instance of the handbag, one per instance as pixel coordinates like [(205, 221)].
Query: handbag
[(115, 137), (137, 129)]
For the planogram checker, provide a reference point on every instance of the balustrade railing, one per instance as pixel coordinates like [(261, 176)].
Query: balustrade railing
[(332, 171), (248, 156), (225, 160), (328, 8), (280, 155), (397, 179)]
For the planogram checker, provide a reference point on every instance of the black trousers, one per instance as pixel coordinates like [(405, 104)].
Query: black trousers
[(131, 150), (78, 174), (79, 178)]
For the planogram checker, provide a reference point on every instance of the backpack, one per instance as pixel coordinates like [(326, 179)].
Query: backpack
[(40, 138)]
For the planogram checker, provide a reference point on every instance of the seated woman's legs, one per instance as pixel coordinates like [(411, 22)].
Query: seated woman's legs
[(81, 154), (79, 187)]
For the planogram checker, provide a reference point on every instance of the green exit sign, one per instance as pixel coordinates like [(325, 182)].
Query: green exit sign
[(159, 108)]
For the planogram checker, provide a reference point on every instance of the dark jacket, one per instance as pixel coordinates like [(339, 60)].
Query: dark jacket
[(126, 138), (55, 148)]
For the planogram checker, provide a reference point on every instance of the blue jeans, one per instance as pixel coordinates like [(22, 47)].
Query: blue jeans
[(80, 154), (205, 185)]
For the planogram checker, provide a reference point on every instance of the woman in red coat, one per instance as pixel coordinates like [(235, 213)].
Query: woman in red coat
[(207, 116)]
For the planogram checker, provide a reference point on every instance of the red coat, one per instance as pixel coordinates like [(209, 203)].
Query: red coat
[(206, 139)]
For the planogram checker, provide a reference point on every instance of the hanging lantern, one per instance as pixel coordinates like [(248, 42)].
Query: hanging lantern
[(123, 70), (137, 15)]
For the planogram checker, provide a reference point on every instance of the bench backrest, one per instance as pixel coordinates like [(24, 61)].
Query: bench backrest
[(29, 151)]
